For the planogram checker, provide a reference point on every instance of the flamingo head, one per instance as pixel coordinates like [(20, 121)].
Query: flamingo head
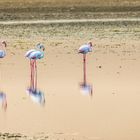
[(90, 43), (40, 46), (5, 44)]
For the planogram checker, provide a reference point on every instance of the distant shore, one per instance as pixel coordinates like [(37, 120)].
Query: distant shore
[(91, 9), (68, 13)]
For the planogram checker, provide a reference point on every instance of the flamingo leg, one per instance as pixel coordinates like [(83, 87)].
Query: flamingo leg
[(35, 75), (31, 73), (84, 67)]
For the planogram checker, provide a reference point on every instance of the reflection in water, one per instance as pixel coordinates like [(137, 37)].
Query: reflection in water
[(3, 101), (85, 88), (35, 94)]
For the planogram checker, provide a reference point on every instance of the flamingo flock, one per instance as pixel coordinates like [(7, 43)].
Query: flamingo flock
[(38, 53)]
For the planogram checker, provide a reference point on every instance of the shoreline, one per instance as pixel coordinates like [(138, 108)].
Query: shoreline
[(20, 22)]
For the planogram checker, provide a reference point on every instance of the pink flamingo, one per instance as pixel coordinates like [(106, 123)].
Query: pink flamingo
[(84, 49), (33, 55), (35, 94)]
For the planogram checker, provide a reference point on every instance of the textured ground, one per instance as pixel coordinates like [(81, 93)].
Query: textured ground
[(116, 40), (24, 10)]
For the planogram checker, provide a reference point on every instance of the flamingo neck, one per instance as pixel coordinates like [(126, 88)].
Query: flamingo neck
[(3, 47), (42, 55)]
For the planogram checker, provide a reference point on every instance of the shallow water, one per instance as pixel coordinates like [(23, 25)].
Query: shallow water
[(110, 112)]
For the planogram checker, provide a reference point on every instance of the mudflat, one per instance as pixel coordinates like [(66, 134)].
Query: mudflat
[(112, 72), (111, 110)]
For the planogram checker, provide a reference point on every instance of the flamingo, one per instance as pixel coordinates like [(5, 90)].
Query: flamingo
[(3, 46), (33, 55), (84, 49)]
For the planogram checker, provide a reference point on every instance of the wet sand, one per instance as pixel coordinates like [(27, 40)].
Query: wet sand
[(112, 112)]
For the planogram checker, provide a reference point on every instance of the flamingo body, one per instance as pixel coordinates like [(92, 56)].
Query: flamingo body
[(37, 53), (84, 49), (2, 53), (34, 54), (29, 52)]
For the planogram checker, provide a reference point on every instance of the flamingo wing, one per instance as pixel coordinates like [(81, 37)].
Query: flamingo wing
[(29, 52), (35, 55), (84, 49)]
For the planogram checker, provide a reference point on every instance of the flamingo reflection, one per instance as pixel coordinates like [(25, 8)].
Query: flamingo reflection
[(35, 94), (3, 101), (85, 88)]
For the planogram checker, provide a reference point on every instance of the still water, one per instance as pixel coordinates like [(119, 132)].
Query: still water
[(99, 99)]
